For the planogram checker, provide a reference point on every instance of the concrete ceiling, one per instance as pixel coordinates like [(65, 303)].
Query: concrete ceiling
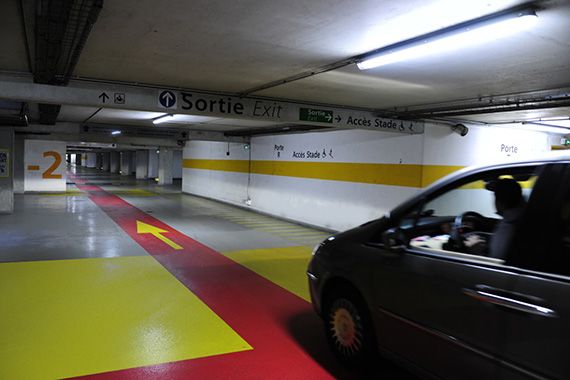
[(236, 46)]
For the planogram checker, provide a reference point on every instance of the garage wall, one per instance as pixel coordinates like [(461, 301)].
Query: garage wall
[(368, 173)]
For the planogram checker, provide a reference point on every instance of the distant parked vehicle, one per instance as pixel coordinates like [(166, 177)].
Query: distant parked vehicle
[(412, 286)]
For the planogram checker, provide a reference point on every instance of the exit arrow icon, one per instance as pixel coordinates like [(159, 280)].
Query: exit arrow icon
[(144, 228), (103, 97), (337, 118)]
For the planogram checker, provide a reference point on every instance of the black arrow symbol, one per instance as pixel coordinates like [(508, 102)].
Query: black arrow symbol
[(103, 97), (337, 118)]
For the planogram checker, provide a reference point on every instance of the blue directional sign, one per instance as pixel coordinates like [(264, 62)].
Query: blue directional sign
[(167, 99)]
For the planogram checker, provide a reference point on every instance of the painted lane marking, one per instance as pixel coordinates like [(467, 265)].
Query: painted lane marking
[(144, 228), (285, 333)]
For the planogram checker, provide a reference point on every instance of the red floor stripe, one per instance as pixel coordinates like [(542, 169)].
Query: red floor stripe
[(283, 330)]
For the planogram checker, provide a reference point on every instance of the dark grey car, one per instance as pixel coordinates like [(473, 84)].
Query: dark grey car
[(408, 286)]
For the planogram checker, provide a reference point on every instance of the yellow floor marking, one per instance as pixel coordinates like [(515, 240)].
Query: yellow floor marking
[(69, 193), (285, 267), (143, 228), (133, 192), (65, 318)]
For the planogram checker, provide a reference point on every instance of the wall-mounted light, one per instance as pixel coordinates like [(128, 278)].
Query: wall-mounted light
[(460, 129), (115, 133), (162, 119), (468, 33)]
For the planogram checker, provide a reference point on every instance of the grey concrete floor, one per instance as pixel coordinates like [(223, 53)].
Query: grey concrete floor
[(69, 225)]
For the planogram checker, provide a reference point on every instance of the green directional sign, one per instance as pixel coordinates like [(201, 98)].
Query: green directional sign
[(318, 116)]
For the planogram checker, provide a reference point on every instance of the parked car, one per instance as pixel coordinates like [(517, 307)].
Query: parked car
[(407, 287)]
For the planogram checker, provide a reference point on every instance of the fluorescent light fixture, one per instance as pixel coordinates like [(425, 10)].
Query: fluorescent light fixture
[(544, 127), (114, 133), (469, 33), (162, 119)]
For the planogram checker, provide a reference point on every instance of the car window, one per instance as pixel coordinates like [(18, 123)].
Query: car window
[(463, 218)]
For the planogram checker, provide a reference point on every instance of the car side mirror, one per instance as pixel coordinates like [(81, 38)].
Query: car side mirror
[(394, 240)]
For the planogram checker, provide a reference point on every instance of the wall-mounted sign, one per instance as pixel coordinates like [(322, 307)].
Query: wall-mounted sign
[(44, 165), (4, 163), (314, 115)]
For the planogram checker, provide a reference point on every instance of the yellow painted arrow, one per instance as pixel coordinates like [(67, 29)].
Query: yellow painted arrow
[(143, 228)]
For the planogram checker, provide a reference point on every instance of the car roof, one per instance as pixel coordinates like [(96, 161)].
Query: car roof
[(538, 159)]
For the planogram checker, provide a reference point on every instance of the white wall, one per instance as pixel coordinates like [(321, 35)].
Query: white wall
[(44, 166), (340, 204), (482, 145)]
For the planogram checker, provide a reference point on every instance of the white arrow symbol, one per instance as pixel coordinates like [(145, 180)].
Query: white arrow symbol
[(328, 117), (168, 98)]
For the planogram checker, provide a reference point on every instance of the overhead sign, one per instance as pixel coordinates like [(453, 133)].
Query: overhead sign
[(204, 104)]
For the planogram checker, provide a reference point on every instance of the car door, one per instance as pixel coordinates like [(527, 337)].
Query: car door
[(428, 308), (537, 341)]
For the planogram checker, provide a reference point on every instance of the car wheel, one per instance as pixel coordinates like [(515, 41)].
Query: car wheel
[(348, 328)]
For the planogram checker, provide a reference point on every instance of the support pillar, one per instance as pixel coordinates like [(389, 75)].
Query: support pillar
[(165, 166), (106, 161), (18, 164), (142, 164), (6, 170), (126, 163), (114, 162), (152, 163), (90, 160)]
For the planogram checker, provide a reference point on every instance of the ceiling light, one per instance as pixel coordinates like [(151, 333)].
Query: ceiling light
[(544, 127), (114, 133), (162, 119), (469, 33)]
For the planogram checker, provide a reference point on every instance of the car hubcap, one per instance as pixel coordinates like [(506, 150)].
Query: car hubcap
[(346, 327)]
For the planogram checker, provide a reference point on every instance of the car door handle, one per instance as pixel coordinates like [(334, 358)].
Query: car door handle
[(486, 294)]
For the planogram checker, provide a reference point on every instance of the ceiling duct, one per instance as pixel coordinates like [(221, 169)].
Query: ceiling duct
[(61, 30)]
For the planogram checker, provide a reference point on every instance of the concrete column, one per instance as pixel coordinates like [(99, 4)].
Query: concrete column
[(134, 163), (6, 170), (78, 159), (152, 163), (106, 161), (114, 162), (99, 160), (126, 163), (165, 166), (177, 164), (19, 164), (142, 164), (91, 160)]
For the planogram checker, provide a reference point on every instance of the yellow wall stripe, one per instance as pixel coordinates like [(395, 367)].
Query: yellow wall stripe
[(408, 175)]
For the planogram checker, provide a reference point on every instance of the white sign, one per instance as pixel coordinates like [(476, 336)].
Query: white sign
[(44, 166)]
